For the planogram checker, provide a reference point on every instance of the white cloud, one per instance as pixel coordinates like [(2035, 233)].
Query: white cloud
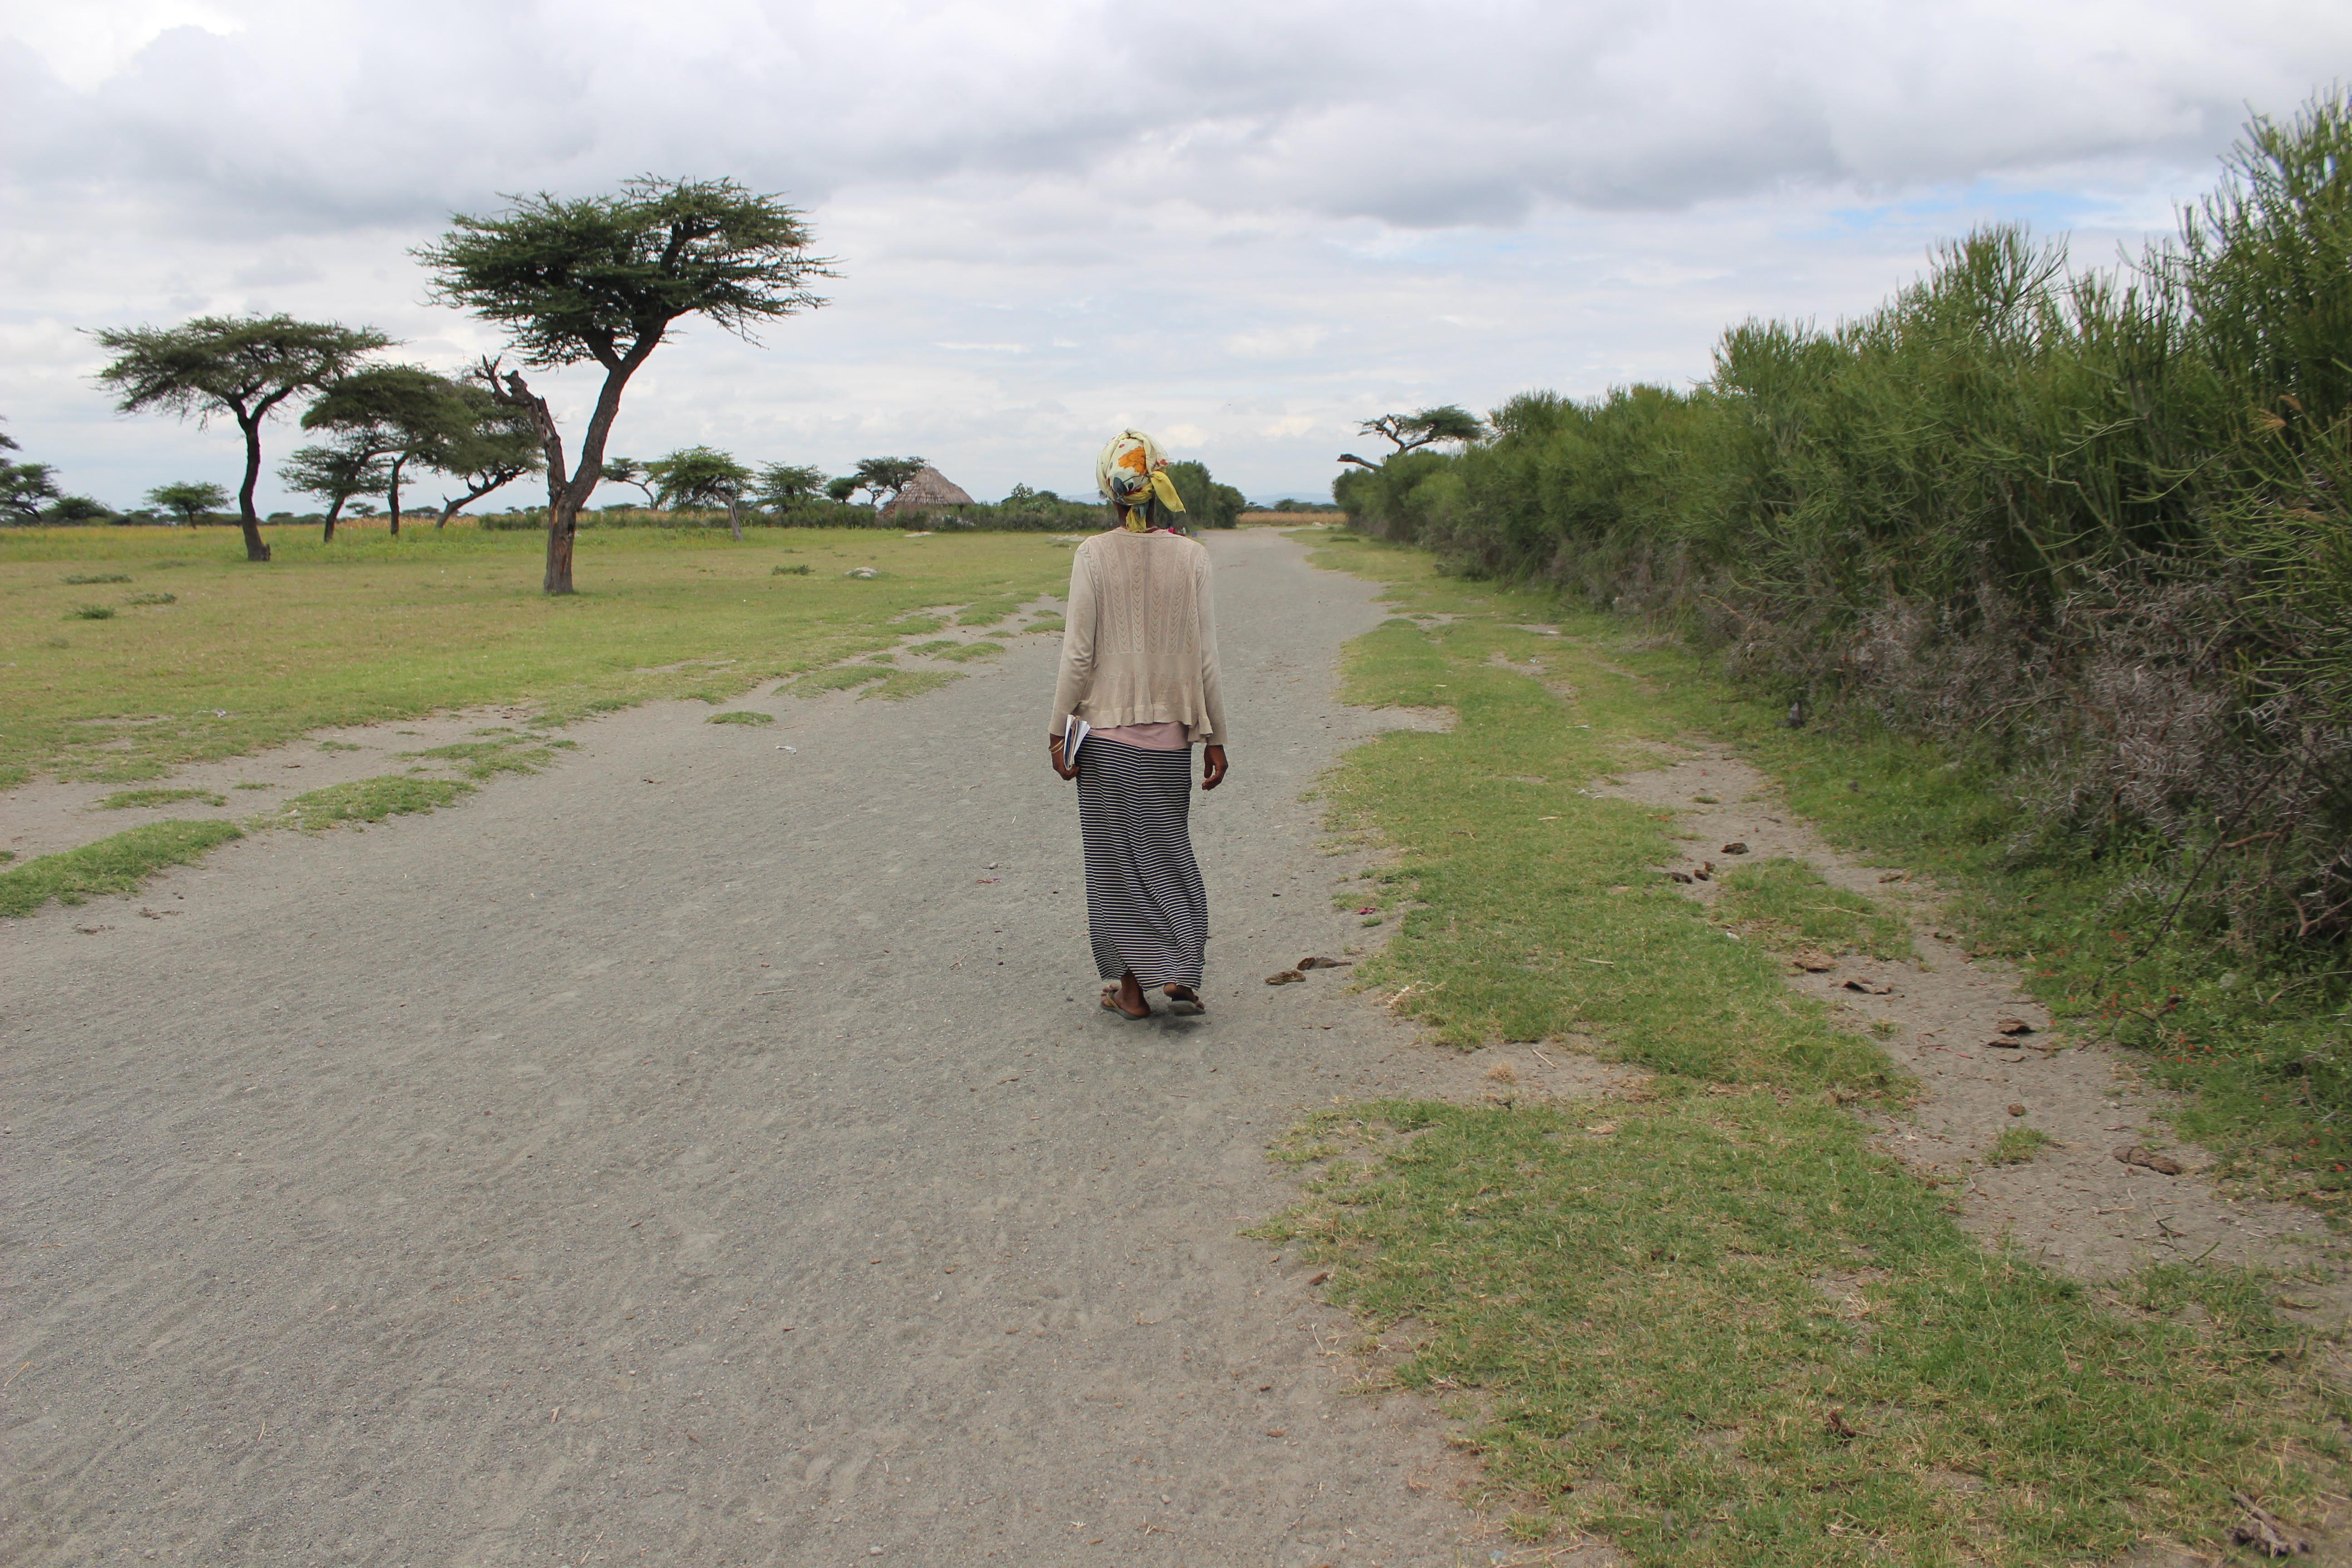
[(1252, 224), (85, 43)]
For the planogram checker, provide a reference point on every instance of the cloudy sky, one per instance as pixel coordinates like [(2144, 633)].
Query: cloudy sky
[(1244, 225)]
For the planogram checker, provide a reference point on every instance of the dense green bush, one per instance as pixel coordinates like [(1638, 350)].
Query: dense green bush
[(2090, 523), (1207, 504)]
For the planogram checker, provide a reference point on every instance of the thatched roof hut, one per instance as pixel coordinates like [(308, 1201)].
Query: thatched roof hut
[(929, 491)]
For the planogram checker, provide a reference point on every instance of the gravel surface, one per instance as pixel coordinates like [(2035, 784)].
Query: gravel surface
[(709, 1152)]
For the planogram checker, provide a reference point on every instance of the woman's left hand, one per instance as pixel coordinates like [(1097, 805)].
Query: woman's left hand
[(1213, 766)]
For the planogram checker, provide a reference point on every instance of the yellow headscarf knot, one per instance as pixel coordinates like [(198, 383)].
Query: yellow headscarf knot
[(1131, 473)]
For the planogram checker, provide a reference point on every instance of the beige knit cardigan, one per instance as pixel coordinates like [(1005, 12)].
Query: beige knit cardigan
[(1140, 644)]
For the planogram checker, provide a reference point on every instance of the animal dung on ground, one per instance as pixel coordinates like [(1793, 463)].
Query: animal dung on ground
[(2012, 1027), (2266, 1532), (1283, 977), (2140, 1155), (2016, 1110), (1311, 961), (1734, 848), (1838, 1427), (1869, 987), (1814, 960), (1683, 877)]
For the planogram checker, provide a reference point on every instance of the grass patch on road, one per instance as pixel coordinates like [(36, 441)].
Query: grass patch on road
[(369, 800), (959, 653), (1786, 904), (905, 683), (117, 864), (496, 752), (2017, 1146), (839, 678), (370, 630), (133, 799), (1709, 1321)]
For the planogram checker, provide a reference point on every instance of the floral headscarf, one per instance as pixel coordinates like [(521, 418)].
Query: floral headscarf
[(1131, 475)]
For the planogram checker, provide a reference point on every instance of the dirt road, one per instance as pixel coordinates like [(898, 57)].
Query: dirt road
[(706, 1153)]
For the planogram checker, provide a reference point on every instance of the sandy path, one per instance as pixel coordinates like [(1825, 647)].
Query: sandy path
[(2074, 1208), (706, 1153)]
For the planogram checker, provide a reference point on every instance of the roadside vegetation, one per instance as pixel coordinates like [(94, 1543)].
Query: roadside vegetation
[(1703, 1316), (2035, 577)]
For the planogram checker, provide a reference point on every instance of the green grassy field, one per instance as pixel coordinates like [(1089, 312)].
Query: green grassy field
[(1708, 1320), (200, 656)]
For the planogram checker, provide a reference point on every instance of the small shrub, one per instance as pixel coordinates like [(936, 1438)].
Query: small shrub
[(84, 579), (90, 613), (800, 571), (152, 599), (740, 715)]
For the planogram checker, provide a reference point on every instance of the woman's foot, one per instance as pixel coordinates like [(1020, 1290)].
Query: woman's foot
[(1127, 998), (1184, 999)]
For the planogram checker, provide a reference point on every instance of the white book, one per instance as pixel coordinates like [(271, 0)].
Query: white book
[(1074, 732)]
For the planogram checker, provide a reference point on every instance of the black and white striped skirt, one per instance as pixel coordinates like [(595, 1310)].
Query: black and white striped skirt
[(1146, 908)]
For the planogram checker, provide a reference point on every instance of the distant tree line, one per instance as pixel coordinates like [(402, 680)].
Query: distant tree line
[(600, 280)]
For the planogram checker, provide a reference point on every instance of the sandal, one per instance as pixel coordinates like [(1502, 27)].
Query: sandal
[(1184, 1001), (1110, 1005)]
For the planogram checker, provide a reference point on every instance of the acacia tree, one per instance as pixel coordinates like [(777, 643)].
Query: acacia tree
[(628, 471), (604, 279), (841, 488), (190, 500), (401, 412), (244, 366), (1411, 432), (24, 488), (783, 486), (335, 473), (497, 447), (881, 477), (702, 476)]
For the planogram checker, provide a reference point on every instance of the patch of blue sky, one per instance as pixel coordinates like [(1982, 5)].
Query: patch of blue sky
[(1953, 210)]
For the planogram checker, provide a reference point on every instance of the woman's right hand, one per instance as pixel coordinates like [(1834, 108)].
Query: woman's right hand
[(1054, 753)]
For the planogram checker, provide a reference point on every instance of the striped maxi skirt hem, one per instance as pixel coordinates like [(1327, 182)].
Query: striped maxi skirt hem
[(1147, 910)]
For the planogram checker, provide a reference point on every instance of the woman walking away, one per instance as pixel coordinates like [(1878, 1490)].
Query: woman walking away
[(1137, 688)]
